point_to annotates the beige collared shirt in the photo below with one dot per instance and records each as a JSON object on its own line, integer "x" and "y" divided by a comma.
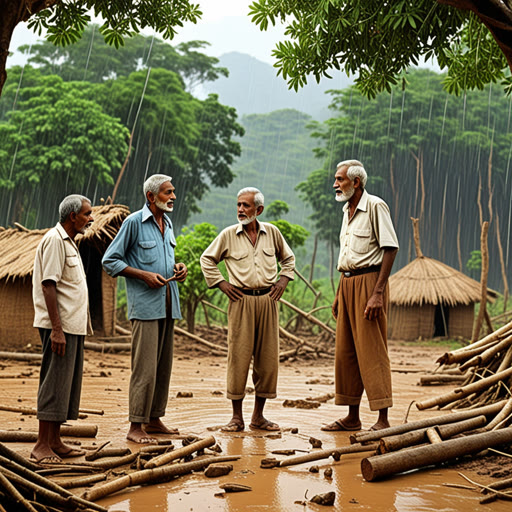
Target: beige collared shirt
{"x": 248, "y": 266}
{"x": 364, "y": 236}
{"x": 57, "y": 259}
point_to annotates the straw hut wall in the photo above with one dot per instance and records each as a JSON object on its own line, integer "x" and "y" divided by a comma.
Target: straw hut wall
{"x": 428, "y": 298}
{"x": 17, "y": 252}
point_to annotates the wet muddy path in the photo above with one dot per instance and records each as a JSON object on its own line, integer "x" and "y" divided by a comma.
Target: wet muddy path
{"x": 280, "y": 489}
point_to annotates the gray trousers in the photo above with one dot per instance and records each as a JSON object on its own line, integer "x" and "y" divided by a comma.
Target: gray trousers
{"x": 152, "y": 351}
{"x": 60, "y": 379}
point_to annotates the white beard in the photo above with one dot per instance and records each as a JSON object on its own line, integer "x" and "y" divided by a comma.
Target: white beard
{"x": 248, "y": 220}
{"x": 345, "y": 196}
{"x": 163, "y": 206}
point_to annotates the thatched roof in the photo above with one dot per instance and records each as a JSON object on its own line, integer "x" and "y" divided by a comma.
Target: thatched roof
{"x": 428, "y": 281}
{"x": 18, "y": 245}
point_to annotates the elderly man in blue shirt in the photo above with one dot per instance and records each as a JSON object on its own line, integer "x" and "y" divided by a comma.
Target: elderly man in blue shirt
{"x": 143, "y": 252}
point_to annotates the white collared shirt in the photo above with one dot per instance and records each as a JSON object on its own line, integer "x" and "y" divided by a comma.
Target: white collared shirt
{"x": 364, "y": 236}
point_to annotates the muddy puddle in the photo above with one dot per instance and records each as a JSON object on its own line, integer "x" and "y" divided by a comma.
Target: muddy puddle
{"x": 278, "y": 489}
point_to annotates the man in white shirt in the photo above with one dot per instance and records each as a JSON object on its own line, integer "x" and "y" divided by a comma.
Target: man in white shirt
{"x": 368, "y": 246}
{"x": 61, "y": 304}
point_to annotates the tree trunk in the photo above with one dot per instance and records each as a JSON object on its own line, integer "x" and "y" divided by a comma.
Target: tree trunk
{"x": 313, "y": 259}
{"x": 483, "y": 281}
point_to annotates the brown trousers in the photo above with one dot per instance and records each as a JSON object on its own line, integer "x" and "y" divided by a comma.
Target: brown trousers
{"x": 361, "y": 360}
{"x": 253, "y": 333}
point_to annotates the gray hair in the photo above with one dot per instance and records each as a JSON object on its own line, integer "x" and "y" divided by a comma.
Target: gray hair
{"x": 69, "y": 204}
{"x": 153, "y": 183}
{"x": 355, "y": 169}
{"x": 259, "y": 199}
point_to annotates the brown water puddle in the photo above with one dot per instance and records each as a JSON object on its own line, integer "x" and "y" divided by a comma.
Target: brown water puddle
{"x": 272, "y": 489}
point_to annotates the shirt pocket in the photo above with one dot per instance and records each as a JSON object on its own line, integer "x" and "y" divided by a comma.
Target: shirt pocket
{"x": 148, "y": 252}
{"x": 71, "y": 272}
{"x": 269, "y": 262}
{"x": 361, "y": 240}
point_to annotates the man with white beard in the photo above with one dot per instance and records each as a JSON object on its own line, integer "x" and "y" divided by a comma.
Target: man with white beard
{"x": 143, "y": 252}
{"x": 251, "y": 250}
{"x": 368, "y": 246}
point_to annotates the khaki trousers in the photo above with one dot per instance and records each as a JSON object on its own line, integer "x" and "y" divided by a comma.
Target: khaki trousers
{"x": 152, "y": 351}
{"x": 361, "y": 360}
{"x": 253, "y": 333}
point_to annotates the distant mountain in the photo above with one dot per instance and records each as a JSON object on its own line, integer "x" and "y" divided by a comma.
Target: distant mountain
{"x": 253, "y": 88}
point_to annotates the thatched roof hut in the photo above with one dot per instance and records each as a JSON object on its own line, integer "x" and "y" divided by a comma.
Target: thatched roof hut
{"x": 17, "y": 252}
{"x": 428, "y": 298}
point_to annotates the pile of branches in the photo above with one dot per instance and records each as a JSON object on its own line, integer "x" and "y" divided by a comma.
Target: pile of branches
{"x": 25, "y": 485}
{"x": 486, "y": 366}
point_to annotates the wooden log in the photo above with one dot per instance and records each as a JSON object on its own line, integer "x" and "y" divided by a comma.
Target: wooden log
{"x": 112, "y": 462}
{"x": 159, "y": 474}
{"x": 439, "y": 379}
{"x": 397, "y": 442}
{"x": 214, "y": 346}
{"x": 84, "y": 481}
{"x": 380, "y": 466}
{"x": 29, "y": 410}
{"x": 122, "y": 330}
{"x": 108, "y": 452}
{"x": 464, "y": 391}
{"x": 483, "y": 358}
{"x": 37, "y": 482}
{"x": 15, "y": 495}
{"x": 20, "y": 356}
{"x": 325, "y": 454}
{"x": 107, "y": 347}
{"x": 180, "y": 452}
{"x": 433, "y": 435}
{"x": 309, "y": 317}
{"x": 501, "y": 416}
{"x": 373, "y": 435}
{"x": 490, "y": 338}
{"x": 16, "y": 457}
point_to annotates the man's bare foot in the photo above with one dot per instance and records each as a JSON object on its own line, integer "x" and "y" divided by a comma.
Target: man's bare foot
{"x": 65, "y": 451}
{"x": 233, "y": 426}
{"x": 44, "y": 454}
{"x": 138, "y": 435}
{"x": 155, "y": 426}
{"x": 342, "y": 425}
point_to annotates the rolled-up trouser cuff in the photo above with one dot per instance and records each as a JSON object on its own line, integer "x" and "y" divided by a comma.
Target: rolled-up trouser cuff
{"x": 346, "y": 400}
{"x": 382, "y": 403}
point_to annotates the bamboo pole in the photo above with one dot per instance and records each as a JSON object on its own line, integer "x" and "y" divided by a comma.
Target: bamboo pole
{"x": 464, "y": 391}
{"x": 380, "y": 466}
{"x": 194, "y": 337}
{"x": 84, "y": 481}
{"x": 439, "y": 379}
{"x": 165, "y": 458}
{"x": 501, "y": 416}
{"x": 493, "y": 336}
{"x": 160, "y": 474}
{"x": 397, "y": 442}
{"x": 483, "y": 358}
{"x": 20, "y": 356}
{"x": 325, "y": 454}
{"x": 16, "y": 457}
{"x": 373, "y": 435}
{"x": 108, "y": 452}
{"x": 307, "y": 316}
{"x": 483, "y": 281}
{"x": 16, "y": 496}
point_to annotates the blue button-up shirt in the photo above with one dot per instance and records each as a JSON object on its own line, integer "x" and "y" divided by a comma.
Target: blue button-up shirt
{"x": 140, "y": 244}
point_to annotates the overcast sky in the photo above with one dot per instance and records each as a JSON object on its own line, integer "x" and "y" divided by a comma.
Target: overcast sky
{"x": 224, "y": 24}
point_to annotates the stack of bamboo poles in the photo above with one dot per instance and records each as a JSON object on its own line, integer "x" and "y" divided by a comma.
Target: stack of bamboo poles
{"x": 487, "y": 369}
{"x": 416, "y": 444}
{"x": 25, "y": 485}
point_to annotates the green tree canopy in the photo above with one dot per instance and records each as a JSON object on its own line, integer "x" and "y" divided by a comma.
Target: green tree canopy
{"x": 64, "y": 22}
{"x": 55, "y": 142}
{"x": 93, "y": 60}
{"x": 379, "y": 40}
{"x": 442, "y": 159}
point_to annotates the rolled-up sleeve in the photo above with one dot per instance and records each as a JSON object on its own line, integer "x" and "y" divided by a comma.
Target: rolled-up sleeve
{"x": 114, "y": 259}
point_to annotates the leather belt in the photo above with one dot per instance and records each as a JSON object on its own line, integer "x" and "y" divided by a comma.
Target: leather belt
{"x": 359, "y": 271}
{"x": 256, "y": 293}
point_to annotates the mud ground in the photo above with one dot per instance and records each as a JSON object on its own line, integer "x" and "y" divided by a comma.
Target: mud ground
{"x": 105, "y": 387}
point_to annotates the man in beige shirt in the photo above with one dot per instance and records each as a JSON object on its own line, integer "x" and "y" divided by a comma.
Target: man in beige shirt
{"x": 368, "y": 246}
{"x": 250, "y": 251}
{"x": 61, "y": 305}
